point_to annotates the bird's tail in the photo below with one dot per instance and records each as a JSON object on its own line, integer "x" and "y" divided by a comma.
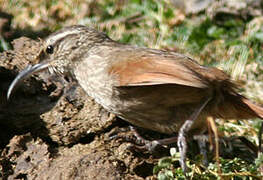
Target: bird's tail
{"x": 236, "y": 106}
{"x": 231, "y": 104}
{"x": 255, "y": 109}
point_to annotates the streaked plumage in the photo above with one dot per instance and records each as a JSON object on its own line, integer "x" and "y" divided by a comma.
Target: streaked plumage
{"x": 150, "y": 88}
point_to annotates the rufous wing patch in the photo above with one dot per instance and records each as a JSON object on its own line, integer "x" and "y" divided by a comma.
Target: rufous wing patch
{"x": 153, "y": 72}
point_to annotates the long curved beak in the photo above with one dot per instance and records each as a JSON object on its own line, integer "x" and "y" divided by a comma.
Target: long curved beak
{"x": 29, "y": 70}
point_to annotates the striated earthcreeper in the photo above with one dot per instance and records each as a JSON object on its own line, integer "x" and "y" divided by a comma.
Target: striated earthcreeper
{"x": 158, "y": 90}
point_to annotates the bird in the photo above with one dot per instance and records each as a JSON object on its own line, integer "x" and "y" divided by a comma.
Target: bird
{"x": 159, "y": 90}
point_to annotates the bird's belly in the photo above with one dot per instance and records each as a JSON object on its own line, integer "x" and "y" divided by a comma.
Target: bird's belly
{"x": 158, "y": 118}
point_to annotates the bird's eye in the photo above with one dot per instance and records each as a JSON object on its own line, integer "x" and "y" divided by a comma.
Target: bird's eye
{"x": 50, "y": 49}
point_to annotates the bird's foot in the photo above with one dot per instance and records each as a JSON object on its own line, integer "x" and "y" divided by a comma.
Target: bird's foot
{"x": 142, "y": 144}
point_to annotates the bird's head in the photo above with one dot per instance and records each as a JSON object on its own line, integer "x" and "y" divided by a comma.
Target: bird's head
{"x": 61, "y": 51}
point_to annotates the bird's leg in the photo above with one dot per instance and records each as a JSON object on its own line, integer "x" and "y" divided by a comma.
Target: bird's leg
{"x": 181, "y": 139}
{"x": 150, "y": 146}
{"x": 181, "y": 143}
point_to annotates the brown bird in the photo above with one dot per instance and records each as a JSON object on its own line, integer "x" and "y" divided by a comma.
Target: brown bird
{"x": 158, "y": 90}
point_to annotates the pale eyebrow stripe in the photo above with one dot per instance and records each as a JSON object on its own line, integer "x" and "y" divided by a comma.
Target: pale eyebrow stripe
{"x": 56, "y": 37}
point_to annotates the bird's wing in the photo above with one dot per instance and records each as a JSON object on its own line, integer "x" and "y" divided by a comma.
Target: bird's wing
{"x": 157, "y": 70}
